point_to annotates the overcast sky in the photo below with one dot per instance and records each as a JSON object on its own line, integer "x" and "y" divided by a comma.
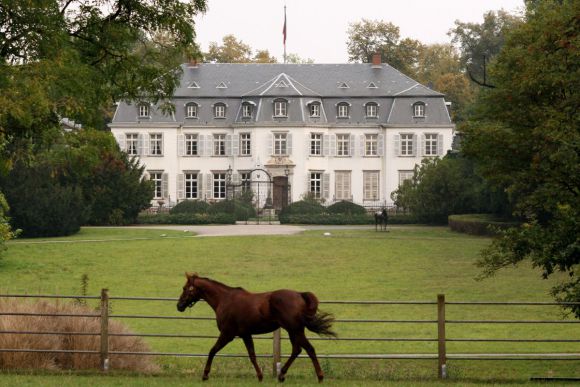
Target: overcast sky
{"x": 317, "y": 28}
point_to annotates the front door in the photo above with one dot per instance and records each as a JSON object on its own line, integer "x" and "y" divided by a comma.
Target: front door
{"x": 280, "y": 192}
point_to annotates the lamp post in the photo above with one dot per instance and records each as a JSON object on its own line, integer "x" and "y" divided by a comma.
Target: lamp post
{"x": 287, "y": 174}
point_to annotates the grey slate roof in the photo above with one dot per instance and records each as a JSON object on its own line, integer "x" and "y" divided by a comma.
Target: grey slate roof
{"x": 299, "y": 84}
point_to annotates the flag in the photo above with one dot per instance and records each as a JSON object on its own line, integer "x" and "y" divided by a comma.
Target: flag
{"x": 284, "y": 29}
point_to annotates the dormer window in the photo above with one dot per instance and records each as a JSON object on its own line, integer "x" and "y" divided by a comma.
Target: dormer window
{"x": 314, "y": 110}
{"x": 343, "y": 110}
{"x": 372, "y": 110}
{"x": 143, "y": 110}
{"x": 219, "y": 110}
{"x": 419, "y": 109}
{"x": 280, "y": 108}
{"x": 191, "y": 110}
{"x": 247, "y": 110}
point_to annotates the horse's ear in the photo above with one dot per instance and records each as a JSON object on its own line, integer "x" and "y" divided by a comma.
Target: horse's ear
{"x": 190, "y": 275}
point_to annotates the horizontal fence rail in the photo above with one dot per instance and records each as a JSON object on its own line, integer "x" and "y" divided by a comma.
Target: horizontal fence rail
{"x": 439, "y": 321}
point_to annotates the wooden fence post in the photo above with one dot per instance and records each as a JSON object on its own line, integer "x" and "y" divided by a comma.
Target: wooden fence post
{"x": 276, "y": 352}
{"x": 442, "y": 371}
{"x": 104, "y": 330}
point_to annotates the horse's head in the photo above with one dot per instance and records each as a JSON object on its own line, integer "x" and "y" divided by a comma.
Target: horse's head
{"x": 190, "y": 294}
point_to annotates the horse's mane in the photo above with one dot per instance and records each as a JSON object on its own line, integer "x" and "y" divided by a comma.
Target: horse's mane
{"x": 221, "y": 284}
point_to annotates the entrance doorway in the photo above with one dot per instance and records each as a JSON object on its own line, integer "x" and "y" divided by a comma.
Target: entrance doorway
{"x": 280, "y": 192}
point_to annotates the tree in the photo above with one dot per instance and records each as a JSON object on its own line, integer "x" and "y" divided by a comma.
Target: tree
{"x": 296, "y": 59}
{"x": 525, "y": 136}
{"x": 6, "y": 232}
{"x": 233, "y": 50}
{"x": 443, "y": 187}
{"x": 263, "y": 56}
{"x": 480, "y": 43}
{"x": 369, "y": 37}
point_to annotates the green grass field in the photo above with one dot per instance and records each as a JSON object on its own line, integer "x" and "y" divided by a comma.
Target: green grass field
{"x": 408, "y": 263}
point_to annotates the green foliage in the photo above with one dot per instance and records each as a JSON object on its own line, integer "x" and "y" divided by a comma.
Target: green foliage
{"x": 301, "y": 207}
{"x": 525, "y": 136}
{"x": 479, "y": 224}
{"x": 190, "y": 207}
{"x": 442, "y": 187}
{"x": 346, "y": 207}
{"x": 233, "y": 50}
{"x": 5, "y": 229}
{"x": 326, "y": 218}
{"x": 186, "y": 218}
{"x": 242, "y": 210}
{"x": 40, "y": 205}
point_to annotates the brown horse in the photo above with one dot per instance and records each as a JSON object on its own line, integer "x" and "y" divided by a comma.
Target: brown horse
{"x": 243, "y": 314}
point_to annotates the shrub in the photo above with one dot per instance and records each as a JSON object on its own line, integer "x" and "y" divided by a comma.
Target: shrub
{"x": 479, "y": 224}
{"x": 55, "y": 361}
{"x": 191, "y": 207}
{"x": 243, "y": 210}
{"x": 302, "y": 207}
{"x": 326, "y": 218}
{"x": 192, "y": 219}
{"x": 345, "y": 207}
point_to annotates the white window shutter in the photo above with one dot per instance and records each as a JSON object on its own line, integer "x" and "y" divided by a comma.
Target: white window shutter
{"x": 381, "y": 145}
{"x": 351, "y": 146}
{"x": 332, "y": 151}
{"x": 416, "y": 144}
{"x": 270, "y": 144}
{"x": 146, "y": 176}
{"x": 228, "y": 144}
{"x": 209, "y": 139}
{"x": 326, "y": 185}
{"x": 361, "y": 145}
{"x": 201, "y": 145}
{"x": 146, "y": 142}
{"x": 141, "y": 145}
{"x": 307, "y": 182}
{"x": 121, "y": 141}
{"x": 326, "y": 145}
{"x": 235, "y": 145}
{"x": 180, "y": 144}
{"x": 236, "y": 178}
{"x": 165, "y": 185}
{"x": 200, "y": 186}
{"x": 439, "y": 145}
{"x": 209, "y": 186}
{"x": 289, "y": 144}
{"x": 180, "y": 186}
{"x": 423, "y": 145}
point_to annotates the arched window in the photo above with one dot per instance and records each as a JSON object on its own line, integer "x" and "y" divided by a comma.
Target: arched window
{"x": 143, "y": 110}
{"x": 343, "y": 109}
{"x": 191, "y": 110}
{"x": 372, "y": 110}
{"x": 247, "y": 109}
{"x": 419, "y": 109}
{"x": 280, "y": 108}
{"x": 314, "y": 108}
{"x": 219, "y": 110}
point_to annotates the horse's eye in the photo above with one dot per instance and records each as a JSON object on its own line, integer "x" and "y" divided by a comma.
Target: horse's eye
{"x": 191, "y": 288}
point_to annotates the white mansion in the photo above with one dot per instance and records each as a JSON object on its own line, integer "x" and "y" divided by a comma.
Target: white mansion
{"x": 336, "y": 131}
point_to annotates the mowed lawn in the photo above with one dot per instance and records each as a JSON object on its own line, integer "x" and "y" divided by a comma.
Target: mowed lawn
{"x": 406, "y": 264}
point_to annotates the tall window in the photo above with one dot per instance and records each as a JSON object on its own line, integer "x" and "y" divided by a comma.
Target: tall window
{"x": 132, "y": 143}
{"x": 280, "y": 143}
{"x": 372, "y": 110}
{"x": 191, "y": 110}
{"x": 315, "y": 144}
{"x": 406, "y": 144}
{"x": 342, "y": 185}
{"x": 246, "y": 178}
{"x": 219, "y": 110}
{"x": 245, "y": 144}
{"x": 371, "y": 185}
{"x": 314, "y": 110}
{"x": 143, "y": 110}
{"x": 157, "y": 179}
{"x": 191, "y": 145}
{"x": 191, "y": 187}
{"x": 405, "y": 175}
{"x": 247, "y": 110}
{"x": 342, "y": 110}
{"x": 219, "y": 144}
{"x": 280, "y": 108}
{"x": 342, "y": 144}
{"x": 219, "y": 185}
{"x": 419, "y": 109}
{"x": 315, "y": 188}
{"x": 371, "y": 143}
{"x": 156, "y": 144}
{"x": 430, "y": 145}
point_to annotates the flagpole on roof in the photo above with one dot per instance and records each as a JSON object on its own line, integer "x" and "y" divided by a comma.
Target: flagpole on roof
{"x": 284, "y": 33}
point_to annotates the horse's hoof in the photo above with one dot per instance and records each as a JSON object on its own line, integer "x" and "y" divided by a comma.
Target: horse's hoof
{"x": 281, "y": 378}
{"x": 204, "y": 378}
{"x": 320, "y": 378}
{"x": 260, "y": 377}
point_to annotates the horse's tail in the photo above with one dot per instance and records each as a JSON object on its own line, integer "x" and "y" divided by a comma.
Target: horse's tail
{"x": 315, "y": 320}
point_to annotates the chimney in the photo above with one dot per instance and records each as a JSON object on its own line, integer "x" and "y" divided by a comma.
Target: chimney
{"x": 376, "y": 61}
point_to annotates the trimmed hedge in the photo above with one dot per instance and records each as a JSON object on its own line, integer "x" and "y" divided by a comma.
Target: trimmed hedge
{"x": 243, "y": 210}
{"x": 339, "y": 219}
{"x": 186, "y": 219}
{"x": 302, "y": 207}
{"x": 479, "y": 224}
{"x": 190, "y": 207}
{"x": 344, "y": 207}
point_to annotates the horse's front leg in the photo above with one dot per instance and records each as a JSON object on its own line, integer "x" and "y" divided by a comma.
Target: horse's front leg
{"x": 250, "y": 347}
{"x": 221, "y": 342}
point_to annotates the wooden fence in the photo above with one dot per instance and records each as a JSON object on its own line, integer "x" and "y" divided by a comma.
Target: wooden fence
{"x": 439, "y": 319}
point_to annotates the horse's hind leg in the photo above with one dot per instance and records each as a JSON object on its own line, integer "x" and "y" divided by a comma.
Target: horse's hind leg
{"x": 304, "y": 343}
{"x": 221, "y": 342}
{"x": 250, "y": 347}
{"x": 295, "y": 352}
